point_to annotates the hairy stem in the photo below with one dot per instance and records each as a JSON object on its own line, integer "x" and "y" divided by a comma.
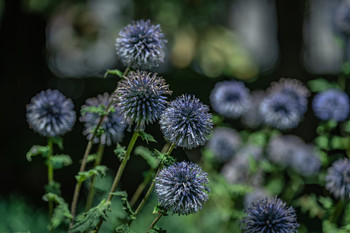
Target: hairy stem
{"x": 160, "y": 214}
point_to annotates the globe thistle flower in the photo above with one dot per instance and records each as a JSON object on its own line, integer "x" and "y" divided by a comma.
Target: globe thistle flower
{"x": 256, "y": 195}
{"x": 230, "y": 98}
{"x": 331, "y": 105}
{"x": 269, "y": 215}
{"x": 224, "y": 143}
{"x": 50, "y": 113}
{"x": 280, "y": 111}
{"x": 186, "y": 122}
{"x": 338, "y": 179}
{"x": 342, "y": 17}
{"x": 252, "y": 116}
{"x": 280, "y": 149}
{"x": 141, "y": 45}
{"x": 113, "y": 124}
{"x": 294, "y": 89}
{"x": 305, "y": 160}
{"x": 182, "y": 188}
{"x": 141, "y": 97}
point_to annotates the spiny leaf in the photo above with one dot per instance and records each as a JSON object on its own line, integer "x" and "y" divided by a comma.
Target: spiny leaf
{"x": 124, "y": 229}
{"x": 146, "y": 137}
{"x": 115, "y": 72}
{"x": 37, "y": 150}
{"x": 61, "y": 213}
{"x": 164, "y": 158}
{"x": 58, "y": 141}
{"x": 59, "y": 161}
{"x": 120, "y": 152}
{"x": 126, "y": 205}
{"x": 96, "y": 171}
{"x": 90, "y": 219}
{"x": 148, "y": 156}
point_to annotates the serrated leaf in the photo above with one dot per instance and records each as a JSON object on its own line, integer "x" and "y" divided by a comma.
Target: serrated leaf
{"x": 61, "y": 213}
{"x": 146, "y": 137}
{"x": 53, "y": 187}
{"x": 124, "y": 229}
{"x": 37, "y": 150}
{"x": 114, "y": 72}
{"x": 90, "y": 219}
{"x": 126, "y": 205}
{"x": 318, "y": 85}
{"x": 120, "y": 152}
{"x": 96, "y": 171}
{"x": 164, "y": 158}
{"x": 58, "y": 141}
{"x": 59, "y": 161}
{"x": 147, "y": 155}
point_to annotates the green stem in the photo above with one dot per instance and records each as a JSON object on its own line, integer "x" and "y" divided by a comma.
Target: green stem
{"x": 160, "y": 214}
{"x": 50, "y": 177}
{"x": 337, "y": 211}
{"x": 91, "y": 194}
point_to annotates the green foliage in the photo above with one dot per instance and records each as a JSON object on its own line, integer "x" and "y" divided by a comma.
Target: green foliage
{"x": 258, "y": 138}
{"x": 61, "y": 213}
{"x": 89, "y": 220}
{"x": 146, "y": 137}
{"x": 156, "y": 229}
{"x": 322, "y": 142}
{"x": 309, "y": 204}
{"x": 53, "y": 187}
{"x": 114, "y": 72}
{"x": 59, "y": 161}
{"x": 58, "y": 141}
{"x": 147, "y": 155}
{"x": 160, "y": 209}
{"x": 318, "y": 85}
{"x": 164, "y": 158}
{"x": 126, "y": 205}
{"x": 96, "y": 171}
{"x": 100, "y": 110}
{"x": 91, "y": 158}
{"x": 123, "y": 229}
{"x": 120, "y": 152}
{"x": 37, "y": 150}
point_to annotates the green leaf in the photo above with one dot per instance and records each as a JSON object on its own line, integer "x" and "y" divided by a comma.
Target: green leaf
{"x": 346, "y": 126}
{"x": 58, "y": 141}
{"x": 146, "y": 137}
{"x": 217, "y": 120}
{"x": 54, "y": 187}
{"x": 91, "y": 158}
{"x": 37, "y": 150}
{"x": 124, "y": 229}
{"x": 257, "y": 138}
{"x": 114, "y": 72}
{"x": 318, "y": 85}
{"x": 59, "y": 161}
{"x": 147, "y": 155}
{"x": 100, "y": 110}
{"x": 61, "y": 213}
{"x": 326, "y": 202}
{"x": 309, "y": 204}
{"x": 120, "y": 152}
{"x": 156, "y": 229}
{"x": 96, "y": 171}
{"x": 338, "y": 143}
{"x": 322, "y": 142}
{"x": 346, "y": 68}
{"x": 160, "y": 209}
{"x": 164, "y": 158}
{"x": 329, "y": 227}
{"x": 90, "y": 219}
{"x": 126, "y": 205}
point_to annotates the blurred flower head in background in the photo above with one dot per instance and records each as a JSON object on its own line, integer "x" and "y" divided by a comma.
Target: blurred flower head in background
{"x": 113, "y": 125}
{"x": 50, "y": 113}
{"x": 342, "y": 17}
{"x": 338, "y": 179}
{"x": 256, "y": 195}
{"x": 252, "y": 116}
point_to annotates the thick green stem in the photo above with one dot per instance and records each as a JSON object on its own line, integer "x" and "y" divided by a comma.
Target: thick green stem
{"x": 50, "y": 175}
{"x": 160, "y": 214}
{"x": 91, "y": 194}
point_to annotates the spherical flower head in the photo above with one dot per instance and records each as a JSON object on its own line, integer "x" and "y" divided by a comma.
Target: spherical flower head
{"x": 113, "y": 124}
{"x": 230, "y": 98}
{"x": 141, "y": 45}
{"x": 269, "y": 215}
{"x": 280, "y": 111}
{"x": 342, "y": 18}
{"x": 305, "y": 160}
{"x": 186, "y": 122}
{"x": 141, "y": 97}
{"x": 338, "y": 179}
{"x": 224, "y": 143}
{"x": 50, "y": 113}
{"x": 182, "y": 188}
{"x": 252, "y": 116}
{"x": 331, "y": 105}
{"x": 294, "y": 89}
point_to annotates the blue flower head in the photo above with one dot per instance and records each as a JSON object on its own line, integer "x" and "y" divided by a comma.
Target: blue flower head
{"x": 280, "y": 111}
{"x": 342, "y": 18}
{"x": 141, "y": 97}
{"x": 50, "y": 113}
{"x": 230, "y": 98}
{"x": 305, "y": 160}
{"x": 186, "y": 122}
{"x": 113, "y": 124}
{"x": 182, "y": 188}
{"x": 252, "y": 116}
{"x": 224, "y": 143}
{"x": 338, "y": 179}
{"x": 269, "y": 215}
{"x": 141, "y": 45}
{"x": 331, "y": 105}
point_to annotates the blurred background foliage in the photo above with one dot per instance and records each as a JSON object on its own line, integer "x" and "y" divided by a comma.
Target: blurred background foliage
{"x": 68, "y": 45}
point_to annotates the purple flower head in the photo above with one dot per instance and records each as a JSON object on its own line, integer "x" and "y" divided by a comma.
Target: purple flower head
{"x": 269, "y": 215}
{"x": 252, "y": 116}
{"x": 141, "y": 97}
{"x": 230, "y": 98}
{"x": 186, "y": 122}
{"x": 338, "y": 179}
{"x": 305, "y": 160}
{"x": 182, "y": 188}
{"x": 141, "y": 45}
{"x": 113, "y": 124}
{"x": 331, "y": 105}
{"x": 50, "y": 113}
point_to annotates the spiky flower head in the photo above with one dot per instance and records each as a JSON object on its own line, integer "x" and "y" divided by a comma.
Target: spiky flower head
{"x": 252, "y": 116}
{"x": 182, "y": 188}
{"x": 342, "y": 17}
{"x": 141, "y": 97}
{"x": 141, "y": 45}
{"x": 50, "y": 113}
{"x": 224, "y": 143}
{"x": 280, "y": 111}
{"x": 113, "y": 124}
{"x": 331, "y": 105}
{"x": 338, "y": 179}
{"x": 186, "y": 122}
{"x": 294, "y": 89}
{"x": 269, "y": 215}
{"x": 230, "y": 98}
